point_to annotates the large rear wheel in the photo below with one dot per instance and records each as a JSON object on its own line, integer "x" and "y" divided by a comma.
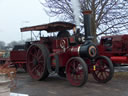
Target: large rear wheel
{"x": 77, "y": 71}
{"x": 37, "y": 61}
{"x": 104, "y": 69}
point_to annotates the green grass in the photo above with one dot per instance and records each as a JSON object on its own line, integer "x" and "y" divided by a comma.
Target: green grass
{"x": 121, "y": 75}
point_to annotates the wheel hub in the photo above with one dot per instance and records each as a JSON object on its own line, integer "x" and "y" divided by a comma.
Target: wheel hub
{"x": 74, "y": 72}
{"x": 35, "y": 61}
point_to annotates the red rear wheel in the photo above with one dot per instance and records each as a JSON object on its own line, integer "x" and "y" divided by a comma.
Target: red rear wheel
{"x": 77, "y": 71}
{"x": 36, "y": 61}
{"x": 104, "y": 69}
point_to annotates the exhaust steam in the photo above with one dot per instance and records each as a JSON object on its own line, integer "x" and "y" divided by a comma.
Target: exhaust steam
{"x": 76, "y": 11}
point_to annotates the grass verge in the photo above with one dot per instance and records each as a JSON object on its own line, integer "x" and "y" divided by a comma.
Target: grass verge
{"x": 121, "y": 75}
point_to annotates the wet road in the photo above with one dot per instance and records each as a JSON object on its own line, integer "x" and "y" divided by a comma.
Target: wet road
{"x": 121, "y": 69}
{"x": 56, "y": 86}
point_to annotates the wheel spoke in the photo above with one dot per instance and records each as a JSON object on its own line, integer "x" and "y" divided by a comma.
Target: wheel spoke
{"x": 107, "y": 72}
{"x": 41, "y": 62}
{"x": 31, "y": 54}
{"x": 97, "y": 73}
{"x": 38, "y": 73}
{"x": 106, "y": 68}
{"x": 74, "y": 64}
{"x": 35, "y": 68}
{"x": 80, "y": 71}
{"x": 101, "y": 76}
{"x": 40, "y": 69}
{"x": 35, "y": 50}
{"x": 74, "y": 77}
{"x": 78, "y": 79}
{"x": 38, "y": 53}
{"x": 30, "y": 62}
{"x": 105, "y": 75}
{"x": 81, "y": 76}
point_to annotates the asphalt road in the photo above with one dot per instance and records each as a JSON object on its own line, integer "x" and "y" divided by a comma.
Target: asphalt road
{"x": 56, "y": 86}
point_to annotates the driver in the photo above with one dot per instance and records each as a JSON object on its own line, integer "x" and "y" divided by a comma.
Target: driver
{"x": 63, "y": 33}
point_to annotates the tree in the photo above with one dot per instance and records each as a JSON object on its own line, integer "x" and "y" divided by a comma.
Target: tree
{"x": 12, "y": 44}
{"x": 2, "y": 45}
{"x": 108, "y": 16}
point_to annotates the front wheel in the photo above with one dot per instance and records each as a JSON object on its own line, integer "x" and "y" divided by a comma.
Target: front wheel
{"x": 77, "y": 71}
{"x": 104, "y": 69}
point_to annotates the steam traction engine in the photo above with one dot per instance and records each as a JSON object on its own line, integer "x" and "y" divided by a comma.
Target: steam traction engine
{"x": 18, "y": 56}
{"x": 15, "y": 58}
{"x": 71, "y": 56}
{"x": 115, "y": 47}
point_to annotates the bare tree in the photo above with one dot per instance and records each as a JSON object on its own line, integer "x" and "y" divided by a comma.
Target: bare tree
{"x": 13, "y": 43}
{"x": 2, "y": 45}
{"x": 108, "y": 17}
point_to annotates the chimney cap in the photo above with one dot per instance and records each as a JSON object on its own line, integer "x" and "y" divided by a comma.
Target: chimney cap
{"x": 87, "y": 12}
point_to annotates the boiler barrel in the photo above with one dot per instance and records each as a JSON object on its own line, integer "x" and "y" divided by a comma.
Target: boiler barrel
{"x": 87, "y": 50}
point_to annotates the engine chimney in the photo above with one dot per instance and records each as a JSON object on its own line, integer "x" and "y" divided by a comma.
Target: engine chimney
{"x": 87, "y": 25}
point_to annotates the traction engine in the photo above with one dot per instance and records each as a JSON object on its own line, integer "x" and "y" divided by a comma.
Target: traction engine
{"x": 18, "y": 57}
{"x": 115, "y": 47}
{"x": 71, "y": 56}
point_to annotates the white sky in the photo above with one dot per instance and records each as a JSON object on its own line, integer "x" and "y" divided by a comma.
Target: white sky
{"x": 15, "y": 14}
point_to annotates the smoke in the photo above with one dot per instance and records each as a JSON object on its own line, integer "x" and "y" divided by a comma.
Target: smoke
{"x": 76, "y": 10}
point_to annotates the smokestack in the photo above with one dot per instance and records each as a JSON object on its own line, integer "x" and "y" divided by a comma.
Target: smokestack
{"x": 87, "y": 25}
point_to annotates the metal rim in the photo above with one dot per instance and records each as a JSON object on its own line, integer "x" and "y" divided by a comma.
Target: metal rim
{"x": 35, "y": 62}
{"x": 76, "y": 71}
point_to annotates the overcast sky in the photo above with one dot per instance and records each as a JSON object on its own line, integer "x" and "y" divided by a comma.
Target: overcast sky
{"x": 15, "y": 14}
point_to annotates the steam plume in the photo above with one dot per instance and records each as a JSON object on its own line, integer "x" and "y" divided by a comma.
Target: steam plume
{"x": 76, "y": 10}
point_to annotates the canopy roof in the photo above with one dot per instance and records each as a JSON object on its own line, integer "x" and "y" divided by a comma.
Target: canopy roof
{"x": 51, "y": 27}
